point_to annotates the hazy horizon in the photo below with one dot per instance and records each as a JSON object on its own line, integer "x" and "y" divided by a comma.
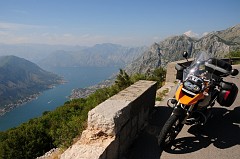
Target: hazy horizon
{"x": 128, "y": 23}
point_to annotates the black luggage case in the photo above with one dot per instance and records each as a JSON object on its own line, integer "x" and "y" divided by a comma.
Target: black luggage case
{"x": 228, "y": 94}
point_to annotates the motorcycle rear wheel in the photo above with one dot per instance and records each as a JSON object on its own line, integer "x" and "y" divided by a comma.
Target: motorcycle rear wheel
{"x": 170, "y": 130}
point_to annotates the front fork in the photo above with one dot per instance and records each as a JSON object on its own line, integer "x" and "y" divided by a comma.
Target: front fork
{"x": 188, "y": 113}
{"x": 181, "y": 110}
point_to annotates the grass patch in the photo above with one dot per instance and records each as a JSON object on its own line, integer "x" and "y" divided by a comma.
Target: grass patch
{"x": 161, "y": 95}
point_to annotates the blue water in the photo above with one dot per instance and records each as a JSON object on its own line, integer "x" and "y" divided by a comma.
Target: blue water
{"x": 77, "y": 77}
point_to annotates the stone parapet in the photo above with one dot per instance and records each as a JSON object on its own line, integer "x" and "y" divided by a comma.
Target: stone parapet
{"x": 172, "y": 72}
{"x": 114, "y": 124}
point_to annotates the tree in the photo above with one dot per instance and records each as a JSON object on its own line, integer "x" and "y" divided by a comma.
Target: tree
{"x": 58, "y": 128}
{"x": 123, "y": 80}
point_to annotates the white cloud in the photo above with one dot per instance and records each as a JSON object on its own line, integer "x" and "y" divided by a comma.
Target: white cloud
{"x": 9, "y": 38}
{"x": 17, "y": 26}
{"x": 206, "y": 33}
{"x": 12, "y": 33}
{"x": 70, "y": 39}
{"x": 67, "y": 35}
{"x": 191, "y": 34}
{"x": 4, "y": 33}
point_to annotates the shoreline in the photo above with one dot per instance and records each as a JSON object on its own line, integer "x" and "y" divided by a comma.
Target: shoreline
{"x": 85, "y": 92}
{"x": 75, "y": 94}
{"x": 9, "y": 107}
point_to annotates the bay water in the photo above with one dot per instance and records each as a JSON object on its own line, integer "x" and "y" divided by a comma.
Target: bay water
{"x": 76, "y": 77}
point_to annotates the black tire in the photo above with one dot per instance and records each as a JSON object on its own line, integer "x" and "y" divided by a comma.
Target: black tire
{"x": 170, "y": 130}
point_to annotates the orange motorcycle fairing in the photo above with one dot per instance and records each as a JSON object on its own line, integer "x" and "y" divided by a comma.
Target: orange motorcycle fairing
{"x": 185, "y": 99}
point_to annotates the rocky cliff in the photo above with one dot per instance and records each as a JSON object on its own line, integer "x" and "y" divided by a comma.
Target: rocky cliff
{"x": 149, "y": 60}
{"x": 218, "y": 44}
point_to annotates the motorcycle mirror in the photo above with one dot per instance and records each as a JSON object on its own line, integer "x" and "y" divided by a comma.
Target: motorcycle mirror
{"x": 185, "y": 54}
{"x": 234, "y": 72}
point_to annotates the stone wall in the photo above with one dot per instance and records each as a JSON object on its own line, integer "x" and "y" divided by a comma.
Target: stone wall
{"x": 114, "y": 124}
{"x": 172, "y": 72}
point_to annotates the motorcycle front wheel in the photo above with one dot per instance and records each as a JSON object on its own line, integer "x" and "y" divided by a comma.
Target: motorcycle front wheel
{"x": 170, "y": 130}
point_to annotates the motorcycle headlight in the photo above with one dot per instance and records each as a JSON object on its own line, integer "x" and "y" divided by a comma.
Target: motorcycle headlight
{"x": 191, "y": 87}
{"x": 195, "y": 88}
{"x": 187, "y": 85}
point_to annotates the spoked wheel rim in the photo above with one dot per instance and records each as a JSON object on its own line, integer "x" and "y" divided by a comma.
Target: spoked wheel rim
{"x": 172, "y": 134}
{"x": 170, "y": 130}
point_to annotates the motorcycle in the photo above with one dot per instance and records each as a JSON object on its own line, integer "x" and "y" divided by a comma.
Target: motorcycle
{"x": 200, "y": 85}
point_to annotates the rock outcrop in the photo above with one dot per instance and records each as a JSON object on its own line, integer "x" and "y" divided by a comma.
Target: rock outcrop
{"x": 149, "y": 60}
{"x": 217, "y": 44}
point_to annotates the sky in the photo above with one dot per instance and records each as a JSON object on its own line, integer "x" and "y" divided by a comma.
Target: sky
{"x": 125, "y": 22}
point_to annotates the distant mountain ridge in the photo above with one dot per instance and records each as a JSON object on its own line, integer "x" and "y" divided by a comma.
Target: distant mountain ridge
{"x": 34, "y": 52}
{"x": 99, "y": 55}
{"x": 218, "y": 44}
{"x": 21, "y": 79}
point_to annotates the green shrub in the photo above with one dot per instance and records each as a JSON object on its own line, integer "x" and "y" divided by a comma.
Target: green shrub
{"x": 58, "y": 128}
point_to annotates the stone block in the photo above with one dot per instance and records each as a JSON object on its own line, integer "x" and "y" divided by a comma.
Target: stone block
{"x": 114, "y": 124}
{"x": 113, "y": 150}
{"x": 109, "y": 116}
{"x": 134, "y": 127}
{"x": 112, "y": 114}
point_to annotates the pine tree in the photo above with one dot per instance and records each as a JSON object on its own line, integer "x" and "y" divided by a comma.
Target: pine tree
{"x": 123, "y": 80}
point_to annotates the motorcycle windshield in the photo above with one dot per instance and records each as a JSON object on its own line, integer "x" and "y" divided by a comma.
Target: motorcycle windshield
{"x": 197, "y": 67}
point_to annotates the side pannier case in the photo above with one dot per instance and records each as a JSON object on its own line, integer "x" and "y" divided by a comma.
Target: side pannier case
{"x": 218, "y": 67}
{"x": 228, "y": 94}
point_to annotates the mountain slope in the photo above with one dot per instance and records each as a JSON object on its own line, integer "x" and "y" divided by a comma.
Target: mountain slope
{"x": 20, "y": 78}
{"x": 99, "y": 55}
{"x": 218, "y": 44}
{"x": 34, "y": 52}
{"x": 150, "y": 59}
{"x": 231, "y": 34}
